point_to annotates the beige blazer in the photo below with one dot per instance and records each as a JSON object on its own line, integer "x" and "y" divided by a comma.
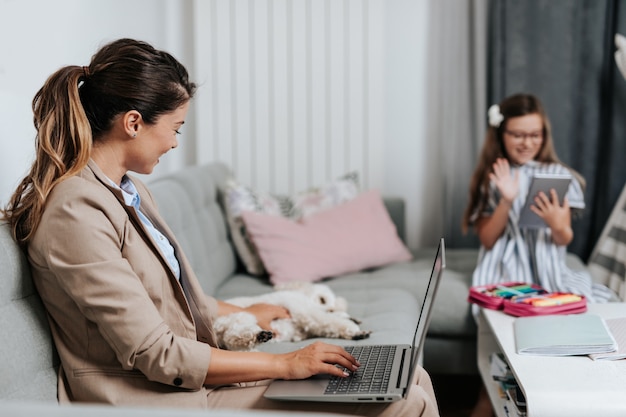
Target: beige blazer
{"x": 126, "y": 331}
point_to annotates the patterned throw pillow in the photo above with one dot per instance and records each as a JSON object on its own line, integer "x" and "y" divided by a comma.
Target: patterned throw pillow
{"x": 353, "y": 236}
{"x": 239, "y": 198}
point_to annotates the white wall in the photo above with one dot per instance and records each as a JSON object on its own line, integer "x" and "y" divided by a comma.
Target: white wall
{"x": 409, "y": 159}
{"x": 292, "y": 90}
{"x": 39, "y": 36}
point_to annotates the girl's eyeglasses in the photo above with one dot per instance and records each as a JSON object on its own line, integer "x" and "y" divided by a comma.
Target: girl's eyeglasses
{"x": 518, "y": 136}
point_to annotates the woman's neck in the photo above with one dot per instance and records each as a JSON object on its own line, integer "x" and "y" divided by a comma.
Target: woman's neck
{"x": 109, "y": 161}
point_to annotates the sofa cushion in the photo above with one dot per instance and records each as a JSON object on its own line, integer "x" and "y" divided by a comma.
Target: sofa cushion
{"x": 189, "y": 201}
{"x": 28, "y": 358}
{"x": 452, "y": 315}
{"x": 27, "y": 409}
{"x": 350, "y": 237}
{"x": 239, "y": 197}
{"x": 390, "y": 314}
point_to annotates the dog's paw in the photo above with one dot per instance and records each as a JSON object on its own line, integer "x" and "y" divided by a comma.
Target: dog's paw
{"x": 357, "y": 321}
{"x": 364, "y": 334}
{"x": 264, "y": 336}
{"x": 239, "y": 332}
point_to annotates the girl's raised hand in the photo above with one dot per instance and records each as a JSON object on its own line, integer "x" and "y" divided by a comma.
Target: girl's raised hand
{"x": 507, "y": 184}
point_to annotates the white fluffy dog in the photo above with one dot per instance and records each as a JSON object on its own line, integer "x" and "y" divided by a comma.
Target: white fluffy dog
{"x": 315, "y": 311}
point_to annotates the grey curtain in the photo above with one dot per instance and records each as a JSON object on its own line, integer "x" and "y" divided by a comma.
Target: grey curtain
{"x": 457, "y": 109}
{"x": 562, "y": 51}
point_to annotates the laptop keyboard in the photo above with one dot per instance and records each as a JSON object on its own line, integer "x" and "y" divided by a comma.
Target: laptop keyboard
{"x": 371, "y": 377}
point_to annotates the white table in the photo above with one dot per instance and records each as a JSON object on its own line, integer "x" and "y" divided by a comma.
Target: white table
{"x": 554, "y": 386}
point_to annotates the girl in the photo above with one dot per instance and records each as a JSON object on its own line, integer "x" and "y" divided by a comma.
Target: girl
{"x": 518, "y": 145}
{"x": 128, "y": 316}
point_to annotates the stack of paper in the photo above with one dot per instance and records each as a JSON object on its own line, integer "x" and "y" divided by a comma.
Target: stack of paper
{"x": 563, "y": 335}
{"x": 617, "y": 327}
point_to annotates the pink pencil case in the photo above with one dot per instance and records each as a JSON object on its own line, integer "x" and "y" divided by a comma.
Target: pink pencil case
{"x": 521, "y": 299}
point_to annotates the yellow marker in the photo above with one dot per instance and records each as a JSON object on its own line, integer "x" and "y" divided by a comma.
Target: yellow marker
{"x": 557, "y": 300}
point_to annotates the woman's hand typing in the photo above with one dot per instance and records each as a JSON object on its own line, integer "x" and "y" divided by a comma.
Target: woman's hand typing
{"x": 318, "y": 358}
{"x": 228, "y": 367}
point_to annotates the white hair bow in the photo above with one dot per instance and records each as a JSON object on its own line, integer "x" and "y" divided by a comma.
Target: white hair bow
{"x": 495, "y": 117}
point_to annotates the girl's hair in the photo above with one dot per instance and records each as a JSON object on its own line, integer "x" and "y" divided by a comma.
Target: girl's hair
{"x": 77, "y": 105}
{"x": 493, "y": 148}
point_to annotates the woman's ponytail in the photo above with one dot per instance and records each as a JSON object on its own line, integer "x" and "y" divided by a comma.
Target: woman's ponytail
{"x": 63, "y": 147}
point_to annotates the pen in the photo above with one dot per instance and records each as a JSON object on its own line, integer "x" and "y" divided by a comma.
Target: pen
{"x": 526, "y": 298}
{"x": 502, "y": 289}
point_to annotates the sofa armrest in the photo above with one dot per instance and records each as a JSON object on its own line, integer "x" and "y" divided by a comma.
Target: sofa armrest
{"x": 395, "y": 207}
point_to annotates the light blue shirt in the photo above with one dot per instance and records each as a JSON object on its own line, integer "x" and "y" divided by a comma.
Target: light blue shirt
{"x": 132, "y": 199}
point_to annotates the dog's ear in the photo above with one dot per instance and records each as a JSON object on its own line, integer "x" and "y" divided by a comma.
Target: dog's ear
{"x": 323, "y": 295}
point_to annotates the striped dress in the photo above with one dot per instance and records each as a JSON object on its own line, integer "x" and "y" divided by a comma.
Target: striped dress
{"x": 530, "y": 255}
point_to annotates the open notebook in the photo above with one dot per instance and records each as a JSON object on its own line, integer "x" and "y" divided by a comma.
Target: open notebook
{"x": 385, "y": 383}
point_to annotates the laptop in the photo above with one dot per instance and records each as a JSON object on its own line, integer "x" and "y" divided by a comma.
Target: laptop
{"x": 391, "y": 383}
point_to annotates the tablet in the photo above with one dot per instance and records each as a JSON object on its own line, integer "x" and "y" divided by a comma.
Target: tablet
{"x": 542, "y": 182}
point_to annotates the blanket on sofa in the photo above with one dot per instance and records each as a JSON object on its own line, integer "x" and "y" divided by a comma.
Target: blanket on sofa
{"x": 607, "y": 263}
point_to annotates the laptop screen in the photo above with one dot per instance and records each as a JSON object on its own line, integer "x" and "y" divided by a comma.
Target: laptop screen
{"x": 425, "y": 312}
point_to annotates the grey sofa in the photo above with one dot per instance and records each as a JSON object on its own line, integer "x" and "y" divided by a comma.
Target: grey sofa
{"x": 385, "y": 299}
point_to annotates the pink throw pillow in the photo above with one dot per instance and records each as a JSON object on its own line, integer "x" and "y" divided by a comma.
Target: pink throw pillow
{"x": 350, "y": 237}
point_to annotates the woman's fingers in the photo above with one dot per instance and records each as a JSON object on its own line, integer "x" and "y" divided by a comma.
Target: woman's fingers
{"x": 319, "y": 358}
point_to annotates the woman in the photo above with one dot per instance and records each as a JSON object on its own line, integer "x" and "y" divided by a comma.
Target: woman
{"x": 128, "y": 317}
